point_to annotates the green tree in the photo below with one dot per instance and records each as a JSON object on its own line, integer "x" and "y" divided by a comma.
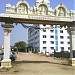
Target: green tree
{"x": 21, "y": 45}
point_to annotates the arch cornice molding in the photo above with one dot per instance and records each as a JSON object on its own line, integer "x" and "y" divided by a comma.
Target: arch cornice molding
{"x": 42, "y": 4}
{"x": 61, "y": 5}
{"x": 25, "y": 2}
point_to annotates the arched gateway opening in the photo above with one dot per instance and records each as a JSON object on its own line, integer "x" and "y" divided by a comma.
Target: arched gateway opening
{"x": 41, "y": 13}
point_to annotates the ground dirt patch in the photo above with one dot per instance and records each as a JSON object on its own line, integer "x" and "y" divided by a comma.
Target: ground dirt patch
{"x": 37, "y": 64}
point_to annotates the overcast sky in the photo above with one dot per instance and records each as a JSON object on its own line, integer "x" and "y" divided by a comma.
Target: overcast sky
{"x": 19, "y": 33}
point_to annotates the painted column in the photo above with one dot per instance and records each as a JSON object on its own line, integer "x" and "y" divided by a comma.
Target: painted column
{"x": 72, "y": 44}
{"x": 6, "y": 62}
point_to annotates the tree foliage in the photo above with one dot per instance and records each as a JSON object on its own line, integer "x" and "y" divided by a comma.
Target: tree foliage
{"x": 21, "y": 45}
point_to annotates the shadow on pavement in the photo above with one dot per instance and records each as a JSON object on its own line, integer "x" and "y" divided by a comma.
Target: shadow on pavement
{"x": 38, "y": 62}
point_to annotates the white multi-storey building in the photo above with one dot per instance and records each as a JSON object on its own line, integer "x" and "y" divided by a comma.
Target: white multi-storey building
{"x": 49, "y": 39}
{"x": 53, "y": 37}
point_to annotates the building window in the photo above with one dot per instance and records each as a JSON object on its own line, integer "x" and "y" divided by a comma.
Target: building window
{"x": 44, "y": 25}
{"x": 44, "y": 36}
{"x": 68, "y": 37}
{"x": 44, "y": 30}
{"x": 44, "y": 42}
{"x": 68, "y": 42}
{"x": 51, "y": 36}
{"x": 44, "y": 47}
{"x": 62, "y": 48}
{"x": 52, "y": 48}
{"x": 62, "y": 42}
{"x": 52, "y": 42}
{"x": 61, "y": 31}
{"x": 68, "y": 48}
{"x": 51, "y": 31}
{"x": 61, "y": 37}
{"x": 36, "y": 32}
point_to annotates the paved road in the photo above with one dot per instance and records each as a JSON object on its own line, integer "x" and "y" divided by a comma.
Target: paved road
{"x": 37, "y": 64}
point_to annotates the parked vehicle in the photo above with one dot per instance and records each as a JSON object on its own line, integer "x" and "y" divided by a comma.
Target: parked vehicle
{"x": 12, "y": 56}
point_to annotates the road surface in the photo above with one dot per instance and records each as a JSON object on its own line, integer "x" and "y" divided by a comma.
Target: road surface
{"x": 37, "y": 64}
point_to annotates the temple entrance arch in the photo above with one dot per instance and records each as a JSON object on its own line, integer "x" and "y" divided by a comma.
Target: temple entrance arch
{"x": 22, "y": 13}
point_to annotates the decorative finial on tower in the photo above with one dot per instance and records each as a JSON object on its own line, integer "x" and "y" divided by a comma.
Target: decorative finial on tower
{"x": 42, "y": 1}
{"x": 22, "y": 0}
{"x": 61, "y": 4}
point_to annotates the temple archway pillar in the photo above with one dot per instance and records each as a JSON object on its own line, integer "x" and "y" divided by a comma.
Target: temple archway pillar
{"x": 6, "y": 62}
{"x": 71, "y": 31}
